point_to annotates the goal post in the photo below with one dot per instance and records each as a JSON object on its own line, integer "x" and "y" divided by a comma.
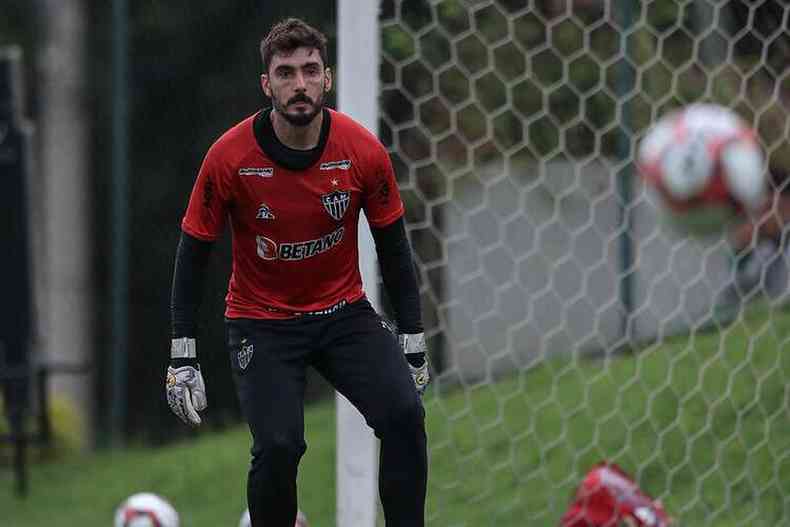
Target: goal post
{"x": 357, "y": 78}
{"x": 566, "y": 323}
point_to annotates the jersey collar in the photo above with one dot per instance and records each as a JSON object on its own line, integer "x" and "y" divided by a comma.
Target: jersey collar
{"x": 279, "y": 153}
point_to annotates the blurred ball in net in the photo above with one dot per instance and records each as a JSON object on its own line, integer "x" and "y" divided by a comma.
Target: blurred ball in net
{"x": 703, "y": 167}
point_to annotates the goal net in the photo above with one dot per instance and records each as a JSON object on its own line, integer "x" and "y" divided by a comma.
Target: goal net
{"x": 568, "y": 326}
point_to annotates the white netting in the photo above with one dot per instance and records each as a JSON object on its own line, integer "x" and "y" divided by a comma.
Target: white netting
{"x": 551, "y": 292}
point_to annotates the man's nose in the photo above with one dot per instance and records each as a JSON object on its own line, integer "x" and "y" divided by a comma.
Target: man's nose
{"x": 300, "y": 83}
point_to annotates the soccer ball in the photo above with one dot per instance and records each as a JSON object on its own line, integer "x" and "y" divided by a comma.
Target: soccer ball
{"x": 704, "y": 168}
{"x": 301, "y": 519}
{"x": 146, "y": 510}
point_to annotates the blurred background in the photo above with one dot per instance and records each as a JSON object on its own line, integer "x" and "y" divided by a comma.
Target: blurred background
{"x": 566, "y": 323}
{"x": 192, "y": 72}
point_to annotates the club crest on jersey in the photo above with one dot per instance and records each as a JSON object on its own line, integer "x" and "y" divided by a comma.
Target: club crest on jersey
{"x": 264, "y": 212}
{"x": 255, "y": 171}
{"x": 245, "y": 354}
{"x": 332, "y": 165}
{"x": 336, "y": 203}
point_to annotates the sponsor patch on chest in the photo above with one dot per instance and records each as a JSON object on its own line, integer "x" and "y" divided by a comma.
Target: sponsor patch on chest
{"x": 257, "y": 171}
{"x": 345, "y": 164}
{"x": 268, "y": 249}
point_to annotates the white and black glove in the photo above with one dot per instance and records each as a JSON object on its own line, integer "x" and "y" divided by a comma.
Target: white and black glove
{"x": 413, "y": 345}
{"x": 186, "y": 391}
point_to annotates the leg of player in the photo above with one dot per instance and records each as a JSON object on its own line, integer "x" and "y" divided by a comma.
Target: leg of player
{"x": 361, "y": 358}
{"x": 268, "y": 364}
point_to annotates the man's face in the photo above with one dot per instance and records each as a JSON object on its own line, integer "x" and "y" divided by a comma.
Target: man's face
{"x": 296, "y": 84}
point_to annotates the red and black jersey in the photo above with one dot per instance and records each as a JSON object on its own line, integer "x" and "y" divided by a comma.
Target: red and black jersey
{"x": 294, "y": 228}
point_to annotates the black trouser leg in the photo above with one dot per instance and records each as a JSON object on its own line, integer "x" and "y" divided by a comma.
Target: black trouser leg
{"x": 271, "y": 393}
{"x": 403, "y": 470}
{"x": 363, "y": 361}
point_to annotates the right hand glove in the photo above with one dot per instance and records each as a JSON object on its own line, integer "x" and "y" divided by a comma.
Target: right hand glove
{"x": 186, "y": 391}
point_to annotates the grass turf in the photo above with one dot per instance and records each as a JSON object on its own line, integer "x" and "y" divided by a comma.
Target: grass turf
{"x": 699, "y": 420}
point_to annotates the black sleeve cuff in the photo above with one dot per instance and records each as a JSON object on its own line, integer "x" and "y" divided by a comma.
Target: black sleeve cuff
{"x": 178, "y": 363}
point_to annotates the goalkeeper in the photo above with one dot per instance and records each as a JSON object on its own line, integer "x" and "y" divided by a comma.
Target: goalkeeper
{"x": 291, "y": 181}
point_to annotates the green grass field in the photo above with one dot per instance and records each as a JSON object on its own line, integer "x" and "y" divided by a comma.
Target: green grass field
{"x": 701, "y": 421}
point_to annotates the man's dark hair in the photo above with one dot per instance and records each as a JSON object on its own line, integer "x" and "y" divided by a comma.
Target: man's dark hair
{"x": 289, "y": 34}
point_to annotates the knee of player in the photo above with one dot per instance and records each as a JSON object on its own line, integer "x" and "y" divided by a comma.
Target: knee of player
{"x": 279, "y": 449}
{"x": 407, "y": 415}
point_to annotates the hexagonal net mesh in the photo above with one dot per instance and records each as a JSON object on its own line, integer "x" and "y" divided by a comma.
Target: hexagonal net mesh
{"x": 566, "y": 324}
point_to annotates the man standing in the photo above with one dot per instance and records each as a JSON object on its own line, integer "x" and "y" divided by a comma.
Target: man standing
{"x": 292, "y": 181}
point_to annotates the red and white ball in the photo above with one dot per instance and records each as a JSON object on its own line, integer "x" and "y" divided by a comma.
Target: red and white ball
{"x": 704, "y": 166}
{"x": 146, "y": 510}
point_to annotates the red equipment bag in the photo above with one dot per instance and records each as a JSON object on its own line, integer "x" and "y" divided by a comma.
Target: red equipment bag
{"x": 608, "y": 497}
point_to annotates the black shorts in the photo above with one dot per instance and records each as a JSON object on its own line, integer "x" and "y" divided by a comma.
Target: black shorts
{"x": 352, "y": 348}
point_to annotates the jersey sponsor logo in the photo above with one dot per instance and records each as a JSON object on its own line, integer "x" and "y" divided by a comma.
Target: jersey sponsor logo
{"x": 266, "y": 248}
{"x": 292, "y": 251}
{"x": 308, "y": 249}
{"x": 333, "y": 165}
{"x": 264, "y": 212}
{"x": 336, "y": 203}
{"x": 256, "y": 171}
{"x": 245, "y": 353}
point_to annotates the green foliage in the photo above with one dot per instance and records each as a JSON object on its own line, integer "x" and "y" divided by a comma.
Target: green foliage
{"x": 700, "y": 422}
{"x": 583, "y": 67}
{"x": 14, "y": 23}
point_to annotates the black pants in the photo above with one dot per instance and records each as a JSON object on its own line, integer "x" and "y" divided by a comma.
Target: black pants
{"x": 360, "y": 357}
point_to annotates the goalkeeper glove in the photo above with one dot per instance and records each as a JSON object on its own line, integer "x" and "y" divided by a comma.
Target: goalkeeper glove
{"x": 186, "y": 391}
{"x": 413, "y": 345}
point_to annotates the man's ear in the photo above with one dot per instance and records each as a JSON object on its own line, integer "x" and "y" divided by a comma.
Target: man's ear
{"x": 265, "y": 86}
{"x": 327, "y": 79}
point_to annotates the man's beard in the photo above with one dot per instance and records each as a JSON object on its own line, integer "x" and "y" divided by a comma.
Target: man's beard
{"x": 299, "y": 119}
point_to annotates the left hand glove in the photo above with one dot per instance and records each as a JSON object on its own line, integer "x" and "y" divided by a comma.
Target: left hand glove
{"x": 413, "y": 346}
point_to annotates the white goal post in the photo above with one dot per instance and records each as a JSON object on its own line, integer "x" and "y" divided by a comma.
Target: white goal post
{"x": 357, "y": 93}
{"x": 567, "y": 324}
